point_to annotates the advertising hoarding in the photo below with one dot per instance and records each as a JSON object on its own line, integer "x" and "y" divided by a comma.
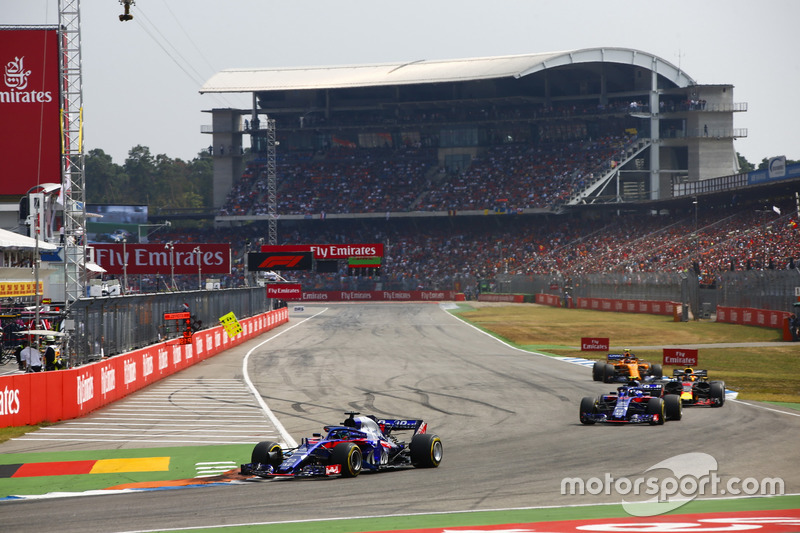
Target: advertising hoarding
{"x": 29, "y": 109}
{"x": 159, "y": 259}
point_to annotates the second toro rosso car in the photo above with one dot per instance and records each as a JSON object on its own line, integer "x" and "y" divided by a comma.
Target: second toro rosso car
{"x": 633, "y": 403}
{"x": 359, "y": 443}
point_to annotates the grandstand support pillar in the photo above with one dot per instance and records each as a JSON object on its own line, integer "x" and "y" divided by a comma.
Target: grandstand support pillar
{"x": 655, "y": 145}
{"x": 226, "y": 134}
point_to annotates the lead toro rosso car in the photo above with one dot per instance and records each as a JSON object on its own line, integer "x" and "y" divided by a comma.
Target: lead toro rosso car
{"x": 360, "y": 443}
{"x": 632, "y": 403}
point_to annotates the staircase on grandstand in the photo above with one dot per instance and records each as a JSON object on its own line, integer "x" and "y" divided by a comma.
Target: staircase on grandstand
{"x": 595, "y": 190}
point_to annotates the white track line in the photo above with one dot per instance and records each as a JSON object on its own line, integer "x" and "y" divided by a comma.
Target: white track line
{"x": 288, "y": 440}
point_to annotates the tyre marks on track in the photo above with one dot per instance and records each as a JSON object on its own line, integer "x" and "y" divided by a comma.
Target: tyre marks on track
{"x": 175, "y": 412}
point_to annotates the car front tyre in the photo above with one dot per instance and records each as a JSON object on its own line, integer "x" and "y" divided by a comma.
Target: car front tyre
{"x": 348, "y": 455}
{"x": 267, "y": 453}
{"x": 673, "y": 407}
{"x": 655, "y": 406}
{"x": 587, "y": 407}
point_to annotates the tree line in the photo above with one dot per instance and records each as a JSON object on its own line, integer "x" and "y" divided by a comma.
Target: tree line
{"x": 157, "y": 181}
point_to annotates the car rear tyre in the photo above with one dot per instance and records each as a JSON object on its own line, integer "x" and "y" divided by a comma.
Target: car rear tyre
{"x": 587, "y": 408}
{"x": 267, "y": 453}
{"x": 656, "y": 371}
{"x": 655, "y": 406}
{"x": 609, "y": 373}
{"x": 717, "y": 393}
{"x": 597, "y": 371}
{"x": 426, "y": 450}
{"x": 349, "y": 456}
{"x": 673, "y": 407}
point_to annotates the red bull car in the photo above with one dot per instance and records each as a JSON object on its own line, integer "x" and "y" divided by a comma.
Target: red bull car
{"x": 360, "y": 443}
{"x": 694, "y": 388}
{"x": 633, "y": 403}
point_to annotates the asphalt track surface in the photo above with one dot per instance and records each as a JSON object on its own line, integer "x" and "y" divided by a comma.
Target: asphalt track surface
{"x": 508, "y": 420}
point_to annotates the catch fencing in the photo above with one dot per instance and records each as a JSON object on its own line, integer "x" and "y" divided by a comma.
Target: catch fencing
{"x": 757, "y": 289}
{"x": 112, "y": 325}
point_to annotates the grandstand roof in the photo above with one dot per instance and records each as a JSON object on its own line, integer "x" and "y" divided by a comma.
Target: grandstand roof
{"x": 436, "y": 71}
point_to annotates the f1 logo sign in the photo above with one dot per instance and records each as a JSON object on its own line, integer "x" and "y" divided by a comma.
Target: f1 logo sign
{"x": 279, "y": 261}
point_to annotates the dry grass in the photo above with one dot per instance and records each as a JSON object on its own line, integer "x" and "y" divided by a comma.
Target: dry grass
{"x": 14, "y": 432}
{"x": 759, "y": 373}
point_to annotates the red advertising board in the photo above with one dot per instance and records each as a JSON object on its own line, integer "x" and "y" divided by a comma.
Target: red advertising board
{"x": 599, "y": 344}
{"x": 512, "y": 298}
{"x": 29, "y": 109}
{"x": 380, "y": 296}
{"x": 329, "y": 251}
{"x": 285, "y": 291}
{"x": 156, "y": 259}
{"x": 680, "y": 357}
{"x": 764, "y": 318}
{"x": 32, "y": 398}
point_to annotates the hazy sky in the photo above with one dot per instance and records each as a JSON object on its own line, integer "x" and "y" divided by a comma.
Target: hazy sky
{"x": 141, "y": 78}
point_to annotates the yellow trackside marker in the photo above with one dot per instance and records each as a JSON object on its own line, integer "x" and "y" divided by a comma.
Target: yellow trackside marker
{"x": 138, "y": 464}
{"x": 231, "y": 325}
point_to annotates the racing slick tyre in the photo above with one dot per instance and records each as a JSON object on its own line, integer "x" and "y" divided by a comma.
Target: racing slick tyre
{"x": 597, "y": 371}
{"x": 426, "y": 450}
{"x": 717, "y": 393}
{"x": 656, "y": 371}
{"x": 267, "y": 453}
{"x": 673, "y": 407}
{"x": 609, "y": 373}
{"x": 349, "y": 456}
{"x": 655, "y": 406}
{"x": 587, "y": 408}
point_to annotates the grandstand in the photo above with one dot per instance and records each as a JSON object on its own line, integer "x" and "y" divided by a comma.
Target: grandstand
{"x": 533, "y": 133}
{"x": 568, "y": 163}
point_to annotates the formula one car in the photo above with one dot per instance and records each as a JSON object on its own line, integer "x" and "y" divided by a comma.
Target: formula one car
{"x": 360, "y": 443}
{"x": 625, "y": 367}
{"x": 633, "y": 403}
{"x": 694, "y": 388}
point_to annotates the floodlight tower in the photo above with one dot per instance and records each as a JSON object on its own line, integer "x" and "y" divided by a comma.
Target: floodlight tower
{"x": 73, "y": 183}
{"x": 272, "y": 187}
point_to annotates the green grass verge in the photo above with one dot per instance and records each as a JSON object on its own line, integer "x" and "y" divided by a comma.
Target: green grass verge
{"x": 769, "y": 373}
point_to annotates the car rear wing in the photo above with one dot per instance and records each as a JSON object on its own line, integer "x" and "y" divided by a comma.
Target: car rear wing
{"x": 615, "y": 357}
{"x": 679, "y": 373}
{"x": 651, "y": 389}
{"x": 391, "y": 424}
